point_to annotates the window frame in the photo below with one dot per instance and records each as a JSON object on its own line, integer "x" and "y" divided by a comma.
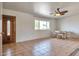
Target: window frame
{"x": 39, "y": 22}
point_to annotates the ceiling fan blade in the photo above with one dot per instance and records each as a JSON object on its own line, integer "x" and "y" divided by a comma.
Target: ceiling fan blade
{"x": 58, "y": 10}
{"x": 64, "y": 11}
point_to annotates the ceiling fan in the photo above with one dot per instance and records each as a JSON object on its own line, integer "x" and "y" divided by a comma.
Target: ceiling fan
{"x": 59, "y": 12}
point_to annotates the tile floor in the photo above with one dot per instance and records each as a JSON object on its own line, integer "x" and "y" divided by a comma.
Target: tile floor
{"x": 41, "y": 47}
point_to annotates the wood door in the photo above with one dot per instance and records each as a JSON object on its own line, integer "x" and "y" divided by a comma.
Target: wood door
{"x": 13, "y": 28}
{"x": 4, "y": 28}
{"x": 12, "y": 37}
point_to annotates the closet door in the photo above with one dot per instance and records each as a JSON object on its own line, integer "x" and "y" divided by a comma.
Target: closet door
{"x": 13, "y": 28}
{"x": 4, "y": 28}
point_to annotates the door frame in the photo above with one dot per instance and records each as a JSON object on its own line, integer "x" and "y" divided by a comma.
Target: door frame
{"x": 12, "y": 28}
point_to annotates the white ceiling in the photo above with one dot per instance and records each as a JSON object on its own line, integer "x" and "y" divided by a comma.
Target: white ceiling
{"x": 43, "y": 9}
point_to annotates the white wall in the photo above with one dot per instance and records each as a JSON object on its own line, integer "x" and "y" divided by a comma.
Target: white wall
{"x": 25, "y": 26}
{"x": 70, "y": 23}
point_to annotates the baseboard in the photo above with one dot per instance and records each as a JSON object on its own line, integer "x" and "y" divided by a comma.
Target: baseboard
{"x": 34, "y": 39}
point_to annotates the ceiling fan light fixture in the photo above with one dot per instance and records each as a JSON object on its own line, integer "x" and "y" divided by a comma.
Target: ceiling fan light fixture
{"x": 58, "y": 12}
{"x": 57, "y": 15}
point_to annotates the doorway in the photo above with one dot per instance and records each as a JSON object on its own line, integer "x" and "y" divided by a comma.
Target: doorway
{"x": 8, "y": 29}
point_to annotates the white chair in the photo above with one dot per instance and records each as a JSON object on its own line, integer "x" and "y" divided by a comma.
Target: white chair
{"x": 62, "y": 35}
{"x": 58, "y": 34}
{"x": 69, "y": 35}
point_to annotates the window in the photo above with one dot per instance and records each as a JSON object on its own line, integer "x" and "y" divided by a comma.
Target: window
{"x": 42, "y": 25}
